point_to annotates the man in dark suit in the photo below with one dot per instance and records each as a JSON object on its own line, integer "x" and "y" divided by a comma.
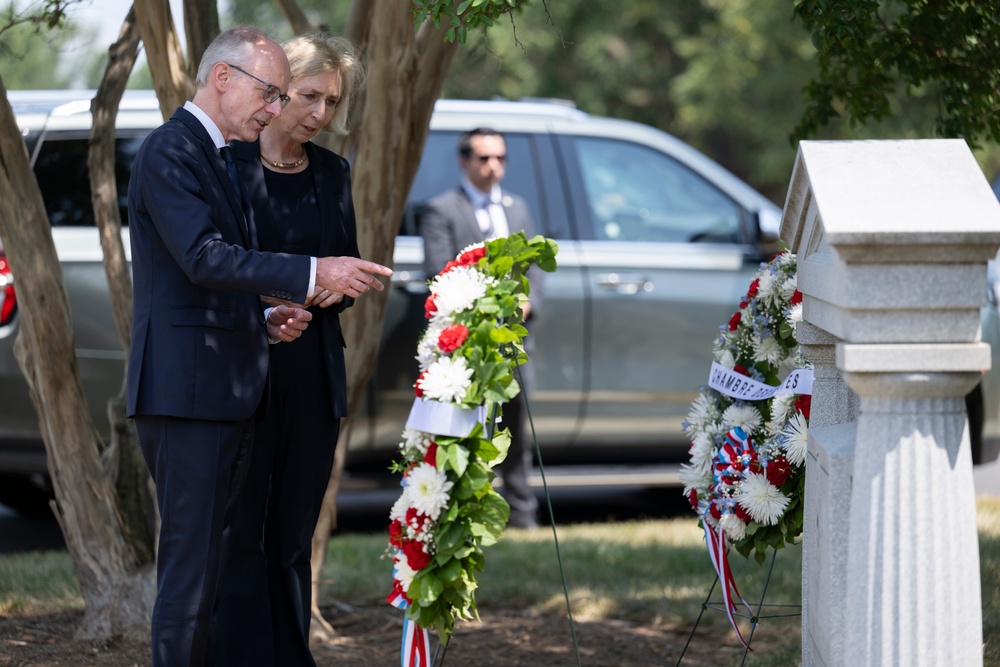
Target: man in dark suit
{"x": 477, "y": 210}
{"x": 199, "y": 353}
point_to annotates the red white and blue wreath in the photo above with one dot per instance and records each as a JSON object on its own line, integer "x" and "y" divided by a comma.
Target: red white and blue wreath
{"x": 748, "y": 428}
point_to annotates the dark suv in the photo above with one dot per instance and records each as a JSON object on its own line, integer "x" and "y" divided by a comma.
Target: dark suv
{"x": 656, "y": 246}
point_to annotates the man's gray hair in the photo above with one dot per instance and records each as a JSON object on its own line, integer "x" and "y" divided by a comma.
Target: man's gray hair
{"x": 232, "y": 46}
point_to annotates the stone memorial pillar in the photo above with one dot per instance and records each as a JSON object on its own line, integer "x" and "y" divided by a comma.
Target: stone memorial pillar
{"x": 892, "y": 239}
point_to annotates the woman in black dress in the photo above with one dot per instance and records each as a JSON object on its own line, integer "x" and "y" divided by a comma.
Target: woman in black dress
{"x": 301, "y": 195}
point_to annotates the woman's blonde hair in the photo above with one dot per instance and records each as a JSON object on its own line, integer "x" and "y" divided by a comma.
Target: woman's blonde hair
{"x": 312, "y": 54}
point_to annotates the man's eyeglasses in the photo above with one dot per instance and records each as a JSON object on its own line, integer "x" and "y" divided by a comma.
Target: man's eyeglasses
{"x": 271, "y": 92}
{"x": 486, "y": 158}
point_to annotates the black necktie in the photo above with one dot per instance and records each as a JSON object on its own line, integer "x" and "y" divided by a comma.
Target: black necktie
{"x": 234, "y": 176}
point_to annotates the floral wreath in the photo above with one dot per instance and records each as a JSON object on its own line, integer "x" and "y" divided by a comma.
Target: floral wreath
{"x": 448, "y": 510}
{"x": 746, "y": 473}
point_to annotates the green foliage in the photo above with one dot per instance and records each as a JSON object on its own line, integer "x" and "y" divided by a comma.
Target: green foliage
{"x": 869, "y": 49}
{"x": 468, "y": 14}
{"x": 32, "y": 44}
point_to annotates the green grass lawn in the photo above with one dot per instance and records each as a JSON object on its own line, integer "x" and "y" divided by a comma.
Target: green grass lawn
{"x": 652, "y": 573}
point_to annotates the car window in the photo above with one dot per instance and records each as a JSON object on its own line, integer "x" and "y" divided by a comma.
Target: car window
{"x": 61, "y": 170}
{"x": 636, "y": 193}
{"x": 439, "y": 171}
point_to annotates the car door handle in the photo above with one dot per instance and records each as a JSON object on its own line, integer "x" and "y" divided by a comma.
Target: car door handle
{"x": 624, "y": 283}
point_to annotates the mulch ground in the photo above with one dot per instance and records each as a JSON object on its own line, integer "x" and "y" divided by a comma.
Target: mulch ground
{"x": 370, "y": 637}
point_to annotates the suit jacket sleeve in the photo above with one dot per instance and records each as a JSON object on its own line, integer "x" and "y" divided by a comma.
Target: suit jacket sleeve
{"x": 181, "y": 199}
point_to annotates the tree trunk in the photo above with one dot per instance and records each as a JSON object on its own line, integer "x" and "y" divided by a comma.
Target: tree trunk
{"x": 403, "y": 85}
{"x": 201, "y": 26}
{"x": 123, "y": 458}
{"x": 296, "y": 17}
{"x": 116, "y": 591}
{"x": 171, "y": 81}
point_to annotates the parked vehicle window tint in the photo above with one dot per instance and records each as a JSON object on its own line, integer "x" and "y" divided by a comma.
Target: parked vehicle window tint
{"x": 61, "y": 169}
{"x": 638, "y": 194}
{"x": 439, "y": 171}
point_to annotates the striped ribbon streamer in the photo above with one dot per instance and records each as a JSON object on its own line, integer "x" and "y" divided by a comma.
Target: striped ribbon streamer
{"x": 415, "y": 647}
{"x": 720, "y": 561}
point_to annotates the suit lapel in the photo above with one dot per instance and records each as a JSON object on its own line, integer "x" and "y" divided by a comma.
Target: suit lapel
{"x": 218, "y": 166}
{"x": 467, "y": 212}
{"x": 325, "y": 176}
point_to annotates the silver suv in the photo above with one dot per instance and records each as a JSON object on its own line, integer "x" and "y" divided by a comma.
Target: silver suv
{"x": 656, "y": 246}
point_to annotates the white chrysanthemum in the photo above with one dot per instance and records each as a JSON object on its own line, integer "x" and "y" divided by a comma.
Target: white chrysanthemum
{"x": 427, "y": 347}
{"x": 733, "y": 526}
{"x": 724, "y": 357}
{"x": 701, "y": 411}
{"x": 702, "y": 450}
{"x": 789, "y": 286}
{"x": 795, "y": 314}
{"x": 427, "y": 490}
{"x": 796, "y": 439}
{"x": 694, "y": 477}
{"x": 458, "y": 290}
{"x": 403, "y": 572}
{"x": 447, "y": 380}
{"x": 747, "y": 417}
{"x": 786, "y": 259}
{"x": 766, "y": 284}
{"x": 781, "y": 407}
{"x": 764, "y": 502}
{"x": 398, "y": 511}
{"x": 768, "y": 349}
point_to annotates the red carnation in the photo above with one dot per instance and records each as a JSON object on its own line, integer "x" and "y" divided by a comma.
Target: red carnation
{"x": 734, "y": 321}
{"x": 796, "y": 297}
{"x": 417, "y": 389}
{"x": 396, "y": 534}
{"x": 449, "y": 266}
{"x": 693, "y": 498}
{"x": 452, "y": 337}
{"x": 778, "y": 470}
{"x": 754, "y": 286}
{"x": 430, "y": 307}
{"x": 472, "y": 256}
{"x": 416, "y": 557}
{"x": 430, "y": 458}
{"x": 742, "y": 513}
{"x": 415, "y": 519}
{"x": 742, "y": 370}
{"x": 803, "y": 403}
{"x": 714, "y": 511}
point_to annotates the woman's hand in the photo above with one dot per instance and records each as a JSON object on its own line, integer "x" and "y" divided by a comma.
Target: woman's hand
{"x": 324, "y": 298}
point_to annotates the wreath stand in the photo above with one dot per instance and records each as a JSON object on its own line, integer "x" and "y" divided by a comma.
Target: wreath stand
{"x": 754, "y": 619}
